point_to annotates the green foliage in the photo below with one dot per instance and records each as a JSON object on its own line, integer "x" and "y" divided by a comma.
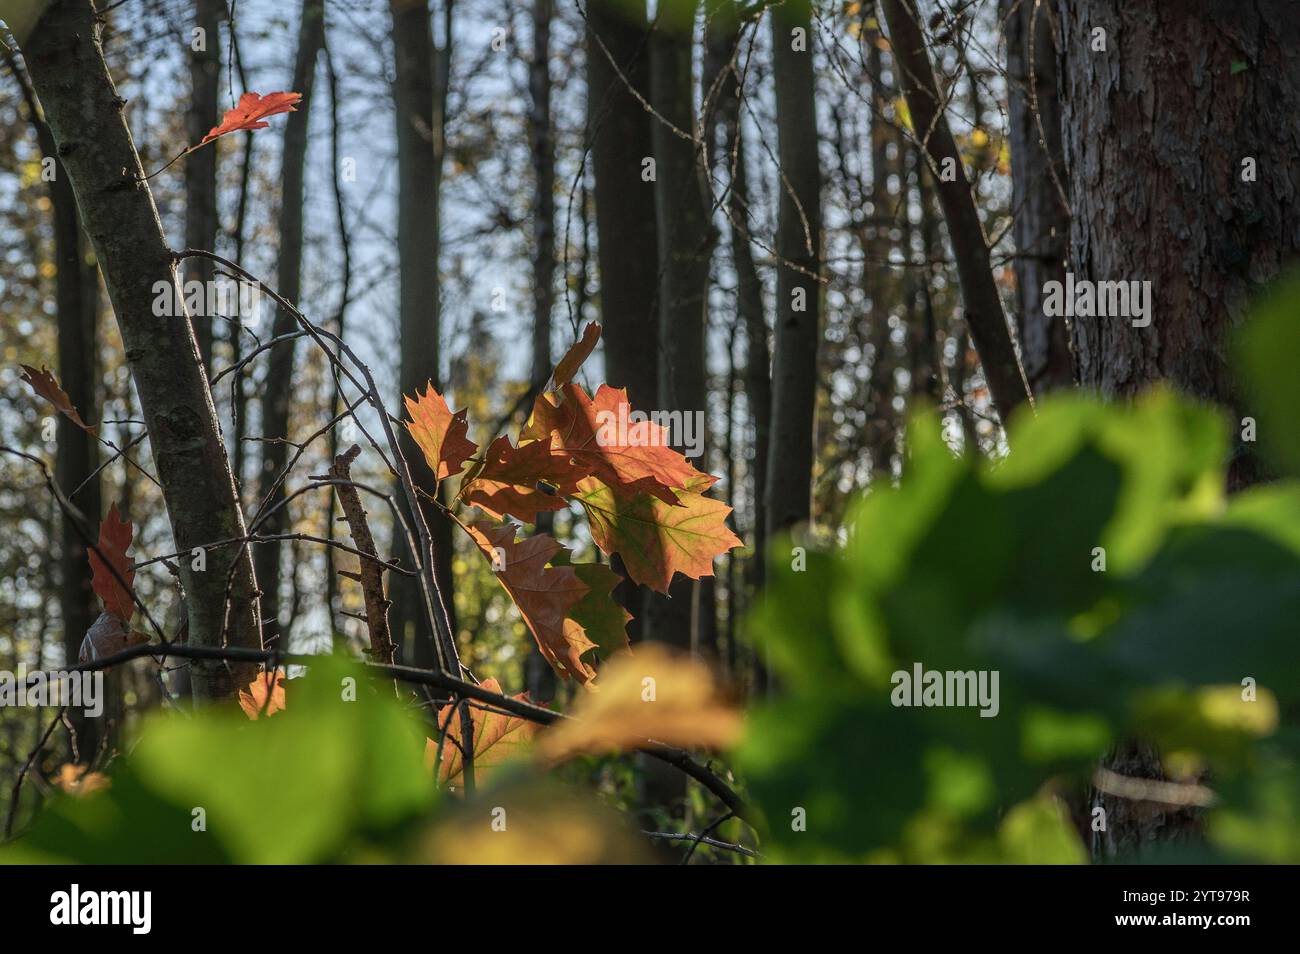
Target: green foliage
{"x": 974, "y": 566}
{"x": 302, "y": 786}
{"x": 1266, "y": 353}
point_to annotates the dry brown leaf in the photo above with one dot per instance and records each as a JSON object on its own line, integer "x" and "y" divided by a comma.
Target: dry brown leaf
{"x": 46, "y": 385}
{"x": 106, "y": 636}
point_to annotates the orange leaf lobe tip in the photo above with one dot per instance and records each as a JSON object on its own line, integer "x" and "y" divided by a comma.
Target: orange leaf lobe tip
{"x": 576, "y": 355}
{"x": 609, "y": 441}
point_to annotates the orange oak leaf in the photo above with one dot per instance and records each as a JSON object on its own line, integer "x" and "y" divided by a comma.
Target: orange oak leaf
{"x": 250, "y": 112}
{"x": 610, "y": 441}
{"x": 497, "y": 737}
{"x": 656, "y": 539}
{"x": 545, "y": 595}
{"x": 264, "y": 695}
{"x": 46, "y": 385}
{"x": 114, "y": 539}
{"x": 654, "y": 694}
{"x": 520, "y": 481}
{"x": 576, "y": 355}
{"x": 440, "y": 433}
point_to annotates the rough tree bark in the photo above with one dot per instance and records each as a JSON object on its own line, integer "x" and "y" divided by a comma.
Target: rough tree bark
{"x": 627, "y": 252}
{"x": 420, "y": 84}
{"x": 980, "y": 300}
{"x": 1158, "y": 127}
{"x": 722, "y": 41}
{"x": 1160, "y": 111}
{"x": 76, "y": 301}
{"x": 277, "y": 391}
{"x": 798, "y": 247}
{"x": 618, "y": 131}
{"x": 94, "y": 144}
{"x": 1042, "y": 218}
{"x": 201, "y": 167}
{"x": 539, "y": 677}
{"x": 684, "y": 236}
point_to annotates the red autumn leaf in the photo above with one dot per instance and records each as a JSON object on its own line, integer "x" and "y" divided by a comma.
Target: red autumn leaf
{"x": 546, "y": 595}
{"x": 440, "y": 433}
{"x": 576, "y": 355}
{"x": 46, "y": 385}
{"x": 497, "y": 737}
{"x": 656, "y": 539}
{"x": 520, "y": 481}
{"x": 250, "y": 112}
{"x": 114, "y": 539}
{"x": 264, "y": 695}
{"x": 609, "y": 442}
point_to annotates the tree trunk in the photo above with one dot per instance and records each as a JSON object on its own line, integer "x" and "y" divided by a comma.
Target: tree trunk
{"x": 798, "y": 291}
{"x": 539, "y": 677}
{"x": 618, "y": 56}
{"x": 681, "y": 214}
{"x": 278, "y": 389}
{"x": 201, "y": 167}
{"x": 76, "y": 300}
{"x": 1157, "y": 129}
{"x": 749, "y": 288}
{"x": 1160, "y": 186}
{"x": 420, "y": 83}
{"x": 980, "y": 299}
{"x": 1042, "y": 219}
{"x": 117, "y": 210}
{"x": 627, "y": 253}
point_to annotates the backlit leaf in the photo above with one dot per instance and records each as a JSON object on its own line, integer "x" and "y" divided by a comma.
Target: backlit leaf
{"x": 251, "y": 112}
{"x": 264, "y": 695}
{"x": 440, "y": 433}
{"x": 656, "y": 539}
{"x": 520, "y": 481}
{"x": 610, "y": 441}
{"x": 498, "y": 736}
{"x": 545, "y": 595}
{"x": 576, "y": 355}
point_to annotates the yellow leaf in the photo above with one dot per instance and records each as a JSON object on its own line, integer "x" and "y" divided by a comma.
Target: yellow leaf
{"x": 648, "y": 694}
{"x": 255, "y": 702}
{"x": 78, "y": 781}
{"x": 497, "y": 737}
